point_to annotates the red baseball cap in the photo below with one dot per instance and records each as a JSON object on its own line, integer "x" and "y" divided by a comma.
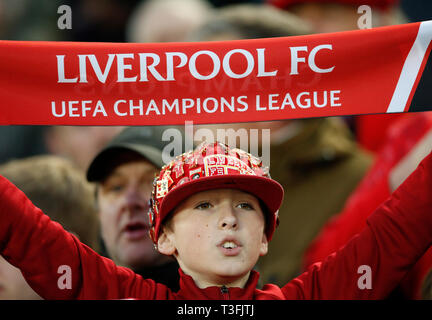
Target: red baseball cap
{"x": 208, "y": 167}
{"x": 382, "y": 4}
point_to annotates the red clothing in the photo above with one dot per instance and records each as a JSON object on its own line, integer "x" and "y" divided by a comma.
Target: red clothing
{"x": 371, "y": 129}
{"x": 398, "y": 233}
{"x": 372, "y": 191}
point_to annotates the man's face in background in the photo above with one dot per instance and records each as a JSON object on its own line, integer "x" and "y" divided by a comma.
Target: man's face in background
{"x": 123, "y": 200}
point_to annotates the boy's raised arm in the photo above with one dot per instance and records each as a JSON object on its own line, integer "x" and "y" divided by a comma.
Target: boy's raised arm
{"x": 54, "y": 262}
{"x": 372, "y": 264}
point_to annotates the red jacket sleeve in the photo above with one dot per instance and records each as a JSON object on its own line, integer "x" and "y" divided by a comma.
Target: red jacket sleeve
{"x": 46, "y": 254}
{"x": 402, "y": 141}
{"x": 397, "y": 234}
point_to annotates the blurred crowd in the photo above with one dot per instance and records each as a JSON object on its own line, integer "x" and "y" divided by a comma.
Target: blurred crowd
{"x": 96, "y": 181}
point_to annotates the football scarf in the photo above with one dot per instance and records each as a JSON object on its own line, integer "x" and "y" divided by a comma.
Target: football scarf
{"x": 380, "y": 70}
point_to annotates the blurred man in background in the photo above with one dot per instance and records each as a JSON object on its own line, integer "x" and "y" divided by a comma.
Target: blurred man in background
{"x": 124, "y": 172}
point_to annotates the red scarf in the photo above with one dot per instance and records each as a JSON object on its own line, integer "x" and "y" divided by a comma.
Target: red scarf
{"x": 380, "y": 70}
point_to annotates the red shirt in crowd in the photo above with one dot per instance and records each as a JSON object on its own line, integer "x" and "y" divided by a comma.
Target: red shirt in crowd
{"x": 405, "y": 137}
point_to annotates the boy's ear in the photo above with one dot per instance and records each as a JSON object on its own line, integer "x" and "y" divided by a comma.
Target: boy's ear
{"x": 264, "y": 245}
{"x": 165, "y": 245}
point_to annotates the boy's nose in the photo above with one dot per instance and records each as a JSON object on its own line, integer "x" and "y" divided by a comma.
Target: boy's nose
{"x": 227, "y": 219}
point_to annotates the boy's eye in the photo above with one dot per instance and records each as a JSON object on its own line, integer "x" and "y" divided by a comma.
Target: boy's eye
{"x": 203, "y": 206}
{"x": 245, "y": 206}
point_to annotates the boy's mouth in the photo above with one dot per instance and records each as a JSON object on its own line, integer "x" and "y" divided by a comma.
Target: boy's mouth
{"x": 230, "y": 247}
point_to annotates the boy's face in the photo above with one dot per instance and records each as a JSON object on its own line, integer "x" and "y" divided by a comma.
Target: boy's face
{"x": 123, "y": 205}
{"x": 217, "y": 236}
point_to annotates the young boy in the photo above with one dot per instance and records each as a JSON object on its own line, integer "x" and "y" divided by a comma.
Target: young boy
{"x": 215, "y": 209}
